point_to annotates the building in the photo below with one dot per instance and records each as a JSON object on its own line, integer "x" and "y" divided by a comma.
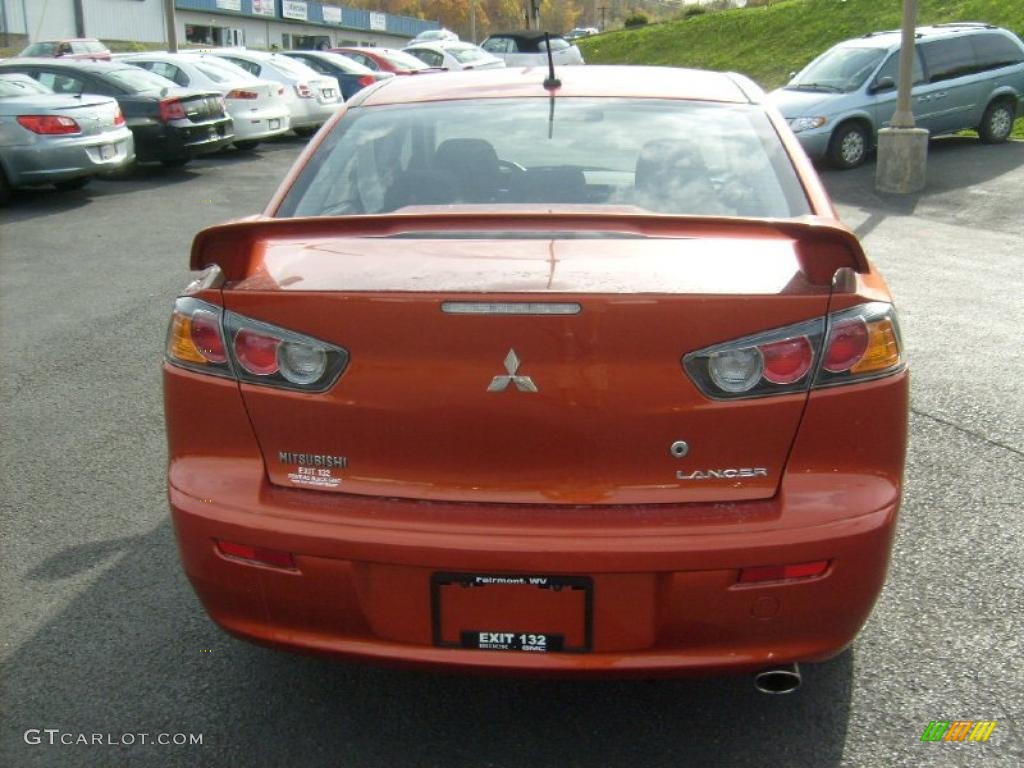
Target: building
{"x": 253, "y": 23}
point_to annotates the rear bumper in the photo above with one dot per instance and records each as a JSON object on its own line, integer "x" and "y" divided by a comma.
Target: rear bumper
{"x": 666, "y": 596}
{"x": 311, "y": 113}
{"x": 260, "y": 124}
{"x": 58, "y": 159}
{"x": 181, "y": 140}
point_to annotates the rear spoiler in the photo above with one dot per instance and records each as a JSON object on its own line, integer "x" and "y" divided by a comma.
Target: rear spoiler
{"x": 823, "y": 246}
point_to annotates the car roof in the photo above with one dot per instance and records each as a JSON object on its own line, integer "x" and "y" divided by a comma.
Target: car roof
{"x": 593, "y": 81}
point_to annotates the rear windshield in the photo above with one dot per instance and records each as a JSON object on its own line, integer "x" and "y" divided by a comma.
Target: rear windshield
{"x": 21, "y": 86}
{"x": 292, "y": 67}
{"x": 89, "y": 46}
{"x": 661, "y": 156}
{"x": 464, "y": 54}
{"x": 135, "y": 80}
{"x": 401, "y": 60}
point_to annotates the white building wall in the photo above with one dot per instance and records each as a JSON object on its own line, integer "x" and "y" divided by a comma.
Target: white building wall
{"x": 138, "y": 20}
{"x": 264, "y": 34}
{"x": 46, "y": 18}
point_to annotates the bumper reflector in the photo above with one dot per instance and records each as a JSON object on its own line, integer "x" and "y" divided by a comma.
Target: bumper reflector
{"x": 275, "y": 558}
{"x": 783, "y": 572}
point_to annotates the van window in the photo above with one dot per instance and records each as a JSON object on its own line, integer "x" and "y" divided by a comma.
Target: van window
{"x": 891, "y": 68}
{"x": 949, "y": 58}
{"x": 993, "y": 50}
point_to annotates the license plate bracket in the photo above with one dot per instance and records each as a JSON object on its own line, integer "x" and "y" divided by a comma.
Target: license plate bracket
{"x": 108, "y": 151}
{"x": 512, "y": 612}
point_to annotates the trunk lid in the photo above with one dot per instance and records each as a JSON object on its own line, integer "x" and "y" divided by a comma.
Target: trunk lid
{"x": 417, "y": 413}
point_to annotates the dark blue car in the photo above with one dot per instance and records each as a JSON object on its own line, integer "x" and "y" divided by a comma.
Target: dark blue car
{"x": 351, "y": 75}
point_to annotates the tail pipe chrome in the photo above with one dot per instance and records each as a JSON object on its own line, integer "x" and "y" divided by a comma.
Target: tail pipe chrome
{"x": 783, "y": 679}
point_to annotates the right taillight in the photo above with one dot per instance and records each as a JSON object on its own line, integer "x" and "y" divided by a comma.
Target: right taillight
{"x": 852, "y": 345}
{"x": 171, "y": 109}
{"x": 203, "y": 337}
{"x": 241, "y": 93}
{"x": 303, "y": 91}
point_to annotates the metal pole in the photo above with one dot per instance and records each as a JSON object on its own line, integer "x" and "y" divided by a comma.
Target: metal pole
{"x": 472, "y": 20}
{"x": 904, "y": 117}
{"x": 79, "y": 19}
{"x": 172, "y": 26}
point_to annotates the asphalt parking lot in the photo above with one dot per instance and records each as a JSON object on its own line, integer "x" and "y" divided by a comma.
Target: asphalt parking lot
{"x": 101, "y": 632}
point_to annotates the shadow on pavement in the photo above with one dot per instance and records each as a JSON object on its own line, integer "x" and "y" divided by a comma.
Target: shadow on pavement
{"x": 963, "y": 184}
{"x": 133, "y": 652}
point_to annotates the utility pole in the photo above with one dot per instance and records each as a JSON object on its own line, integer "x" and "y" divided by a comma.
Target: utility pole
{"x": 603, "y": 9}
{"x": 535, "y": 14}
{"x": 903, "y": 149}
{"x": 171, "y": 23}
{"x": 472, "y": 21}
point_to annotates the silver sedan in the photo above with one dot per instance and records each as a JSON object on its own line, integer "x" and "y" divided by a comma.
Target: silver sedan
{"x": 64, "y": 140}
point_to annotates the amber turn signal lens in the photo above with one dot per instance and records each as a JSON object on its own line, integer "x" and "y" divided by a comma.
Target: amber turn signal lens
{"x": 883, "y": 350}
{"x": 179, "y": 343}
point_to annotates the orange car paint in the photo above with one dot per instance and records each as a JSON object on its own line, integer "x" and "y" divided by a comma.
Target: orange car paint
{"x": 574, "y": 480}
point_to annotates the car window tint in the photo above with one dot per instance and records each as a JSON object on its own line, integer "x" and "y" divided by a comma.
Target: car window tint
{"x": 135, "y": 80}
{"x": 663, "y": 156}
{"x": 428, "y": 57}
{"x": 993, "y": 50}
{"x": 215, "y": 74}
{"x": 946, "y": 59}
{"x": 496, "y": 45}
{"x": 61, "y": 82}
{"x": 891, "y": 68}
{"x": 467, "y": 54}
{"x": 366, "y": 61}
{"x": 315, "y": 64}
{"x": 559, "y": 44}
{"x": 249, "y": 66}
{"x": 17, "y": 86}
{"x": 170, "y": 71}
{"x": 402, "y": 60}
{"x": 40, "y": 49}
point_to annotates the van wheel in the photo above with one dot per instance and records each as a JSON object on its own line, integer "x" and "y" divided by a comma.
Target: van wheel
{"x": 849, "y": 146}
{"x": 997, "y": 123}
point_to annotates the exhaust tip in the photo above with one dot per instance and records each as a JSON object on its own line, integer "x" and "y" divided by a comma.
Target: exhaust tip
{"x": 778, "y": 680}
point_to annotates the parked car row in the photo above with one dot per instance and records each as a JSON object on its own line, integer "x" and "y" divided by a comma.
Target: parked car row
{"x": 173, "y": 107}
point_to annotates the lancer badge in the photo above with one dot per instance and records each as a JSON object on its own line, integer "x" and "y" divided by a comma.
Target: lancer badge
{"x": 523, "y": 383}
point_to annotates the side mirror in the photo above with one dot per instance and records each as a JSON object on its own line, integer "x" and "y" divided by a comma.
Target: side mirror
{"x": 792, "y": 74}
{"x": 883, "y": 84}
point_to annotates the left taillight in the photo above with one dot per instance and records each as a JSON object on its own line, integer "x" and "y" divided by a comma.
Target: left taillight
{"x": 848, "y": 346}
{"x": 241, "y": 93}
{"x": 304, "y": 91}
{"x": 49, "y": 125}
{"x": 118, "y": 117}
{"x": 205, "y": 338}
{"x": 366, "y": 80}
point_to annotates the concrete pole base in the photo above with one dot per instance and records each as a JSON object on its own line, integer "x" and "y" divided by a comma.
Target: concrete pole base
{"x": 902, "y": 160}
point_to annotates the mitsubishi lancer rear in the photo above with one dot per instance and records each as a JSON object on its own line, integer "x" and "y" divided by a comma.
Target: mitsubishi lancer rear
{"x": 545, "y": 373}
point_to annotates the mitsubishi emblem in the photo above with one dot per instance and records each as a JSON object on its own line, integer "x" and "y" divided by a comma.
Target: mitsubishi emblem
{"x": 523, "y": 383}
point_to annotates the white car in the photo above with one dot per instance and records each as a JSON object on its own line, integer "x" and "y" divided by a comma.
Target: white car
{"x": 257, "y": 107}
{"x": 453, "y": 55}
{"x": 312, "y": 98}
{"x": 526, "y": 49}
{"x": 433, "y": 35}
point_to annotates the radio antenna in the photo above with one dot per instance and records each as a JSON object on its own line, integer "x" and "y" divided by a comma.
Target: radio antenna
{"x": 551, "y": 82}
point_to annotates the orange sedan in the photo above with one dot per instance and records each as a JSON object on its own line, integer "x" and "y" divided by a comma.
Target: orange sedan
{"x": 577, "y": 376}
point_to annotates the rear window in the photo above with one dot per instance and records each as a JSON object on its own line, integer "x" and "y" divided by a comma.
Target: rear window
{"x": 993, "y": 50}
{"x": 88, "y": 46}
{"x": 946, "y": 59}
{"x": 401, "y": 60}
{"x": 40, "y": 49}
{"x": 136, "y": 80}
{"x": 21, "y": 86}
{"x": 660, "y": 156}
{"x": 466, "y": 54}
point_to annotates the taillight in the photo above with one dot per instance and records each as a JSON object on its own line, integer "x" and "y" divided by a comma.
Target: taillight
{"x": 171, "y": 109}
{"x": 49, "y": 125}
{"x": 852, "y": 345}
{"x": 240, "y": 93}
{"x": 119, "y": 117}
{"x": 203, "y": 337}
{"x": 366, "y": 80}
{"x": 304, "y": 91}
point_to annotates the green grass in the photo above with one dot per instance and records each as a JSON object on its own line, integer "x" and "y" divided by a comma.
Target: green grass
{"x": 768, "y": 43}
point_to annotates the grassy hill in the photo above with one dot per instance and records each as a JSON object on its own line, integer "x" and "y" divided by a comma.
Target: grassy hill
{"x": 767, "y": 43}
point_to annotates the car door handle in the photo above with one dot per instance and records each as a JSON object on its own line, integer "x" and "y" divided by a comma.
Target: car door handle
{"x": 939, "y": 95}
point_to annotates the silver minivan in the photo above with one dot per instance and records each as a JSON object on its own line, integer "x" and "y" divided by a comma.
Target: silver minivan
{"x": 966, "y": 75}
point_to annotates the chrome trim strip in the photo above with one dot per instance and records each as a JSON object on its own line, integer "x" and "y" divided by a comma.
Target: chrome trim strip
{"x": 510, "y": 308}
